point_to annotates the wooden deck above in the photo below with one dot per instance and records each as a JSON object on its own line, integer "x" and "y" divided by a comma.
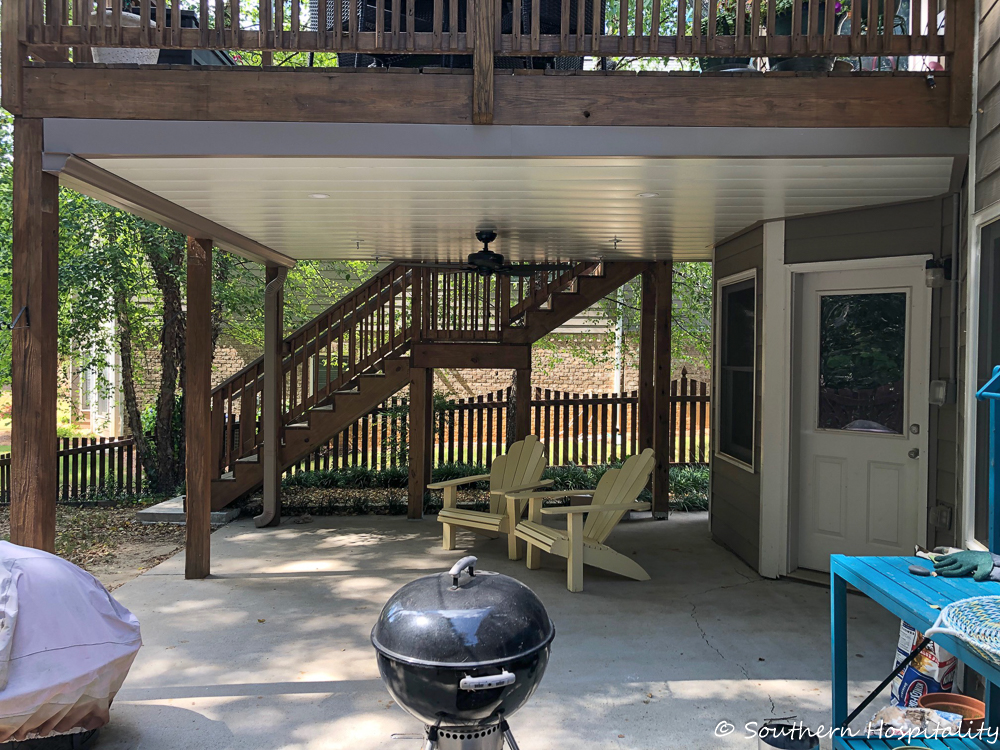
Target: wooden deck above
{"x": 588, "y": 98}
{"x": 446, "y": 61}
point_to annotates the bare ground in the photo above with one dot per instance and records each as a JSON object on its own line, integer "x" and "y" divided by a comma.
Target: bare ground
{"x": 109, "y": 542}
{"x": 113, "y": 546}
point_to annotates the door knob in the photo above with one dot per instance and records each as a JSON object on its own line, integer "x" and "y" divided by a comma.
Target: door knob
{"x": 913, "y": 453}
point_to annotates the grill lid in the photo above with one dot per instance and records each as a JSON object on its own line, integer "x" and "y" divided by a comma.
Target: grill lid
{"x": 462, "y": 618}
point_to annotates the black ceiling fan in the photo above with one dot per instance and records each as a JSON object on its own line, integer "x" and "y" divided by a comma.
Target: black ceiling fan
{"x": 485, "y": 262}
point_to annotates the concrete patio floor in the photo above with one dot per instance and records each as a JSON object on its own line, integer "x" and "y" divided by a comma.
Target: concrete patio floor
{"x": 273, "y": 651}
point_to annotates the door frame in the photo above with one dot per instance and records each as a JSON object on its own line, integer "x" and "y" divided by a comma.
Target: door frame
{"x": 780, "y": 280}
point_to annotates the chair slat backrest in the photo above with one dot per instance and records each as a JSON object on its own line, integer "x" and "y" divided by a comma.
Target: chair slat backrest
{"x": 617, "y": 487}
{"x": 522, "y": 464}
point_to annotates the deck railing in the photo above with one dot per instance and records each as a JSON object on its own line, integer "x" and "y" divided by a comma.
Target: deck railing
{"x": 517, "y": 28}
{"x": 380, "y": 319}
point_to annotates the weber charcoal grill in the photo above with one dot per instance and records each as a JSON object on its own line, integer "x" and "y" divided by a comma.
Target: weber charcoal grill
{"x": 461, "y": 651}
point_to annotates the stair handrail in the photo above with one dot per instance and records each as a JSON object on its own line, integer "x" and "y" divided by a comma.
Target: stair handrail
{"x": 543, "y": 285}
{"x": 287, "y": 341}
{"x": 379, "y": 319}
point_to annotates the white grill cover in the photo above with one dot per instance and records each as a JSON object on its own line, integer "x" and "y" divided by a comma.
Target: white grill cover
{"x": 65, "y": 646}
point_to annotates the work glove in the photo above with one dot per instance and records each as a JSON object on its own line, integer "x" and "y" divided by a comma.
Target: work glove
{"x": 979, "y": 565}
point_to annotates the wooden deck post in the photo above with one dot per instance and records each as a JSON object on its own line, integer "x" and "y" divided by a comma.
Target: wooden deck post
{"x": 647, "y": 356}
{"x": 961, "y": 33}
{"x": 421, "y": 437}
{"x": 198, "y": 409}
{"x": 664, "y": 272}
{"x": 270, "y": 449}
{"x": 522, "y": 403}
{"x": 482, "y": 63}
{"x": 35, "y": 308}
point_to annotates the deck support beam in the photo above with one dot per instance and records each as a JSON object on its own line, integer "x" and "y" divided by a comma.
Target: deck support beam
{"x": 198, "y": 409}
{"x": 34, "y": 364}
{"x": 270, "y": 449}
{"x": 421, "y": 437}
{"x": 664, "y": 273}
{"x": 962, "y": 29}
{"x": 482, "y": 64}
{"x": 647, "y": 343}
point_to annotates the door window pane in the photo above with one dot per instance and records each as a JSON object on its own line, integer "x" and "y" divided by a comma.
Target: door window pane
{"x": 862, "y": 360}
{"x": 736, "y": 377}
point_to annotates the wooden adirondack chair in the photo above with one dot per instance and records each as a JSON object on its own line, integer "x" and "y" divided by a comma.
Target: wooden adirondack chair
{"x": 517, "y": 470}
{"x": 583, "y": 543}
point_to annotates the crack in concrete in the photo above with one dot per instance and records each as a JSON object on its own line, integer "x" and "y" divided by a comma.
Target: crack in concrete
{"x": 748, "y": 578}
{"x": 704, "y": 636}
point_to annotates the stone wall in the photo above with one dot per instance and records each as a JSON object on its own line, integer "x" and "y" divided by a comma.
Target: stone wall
{"x": 573, "y": 368}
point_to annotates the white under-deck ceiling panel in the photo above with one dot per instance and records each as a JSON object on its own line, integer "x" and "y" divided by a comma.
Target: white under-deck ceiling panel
{"x": 423, "y": 208}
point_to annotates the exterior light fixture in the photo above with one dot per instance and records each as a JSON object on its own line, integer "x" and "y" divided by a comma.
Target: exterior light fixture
{"x": 937, "y": 273}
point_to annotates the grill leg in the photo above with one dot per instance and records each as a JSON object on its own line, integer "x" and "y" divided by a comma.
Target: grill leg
{"x": 431, "y": 742}
{"x": 508, "y": 736}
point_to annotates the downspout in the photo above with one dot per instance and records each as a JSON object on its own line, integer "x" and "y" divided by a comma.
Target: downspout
{"x": 270, "y": 406}
{"x": 956, "y": 238}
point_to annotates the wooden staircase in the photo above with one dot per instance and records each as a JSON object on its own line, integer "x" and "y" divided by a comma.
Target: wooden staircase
{"x": 341, "y": 365}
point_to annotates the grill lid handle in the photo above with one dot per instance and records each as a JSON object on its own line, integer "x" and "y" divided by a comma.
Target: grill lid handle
{"x": 466, "y": 563}
{"x": 487, "y": 682}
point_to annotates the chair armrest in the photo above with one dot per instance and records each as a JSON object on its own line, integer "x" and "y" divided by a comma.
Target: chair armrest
{"x": 549, "y": 495}
{"x": 521, "y": 487}
{"x": 458, "y": 482}
{"x": 595, "y": 509}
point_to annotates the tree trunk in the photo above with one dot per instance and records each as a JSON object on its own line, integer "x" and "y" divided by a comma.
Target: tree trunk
{"x": 166, "y": 263}
{"x": 133, "y": 415}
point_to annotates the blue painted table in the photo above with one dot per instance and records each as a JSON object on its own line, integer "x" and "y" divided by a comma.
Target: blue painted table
{"x": 917, "y": 600}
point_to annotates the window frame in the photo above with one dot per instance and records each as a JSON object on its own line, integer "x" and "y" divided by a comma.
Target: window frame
{"x": 751, "y": 274}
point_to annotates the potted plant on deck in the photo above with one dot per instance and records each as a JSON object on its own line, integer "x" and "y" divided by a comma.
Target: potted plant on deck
{"x": 123, "y": 55}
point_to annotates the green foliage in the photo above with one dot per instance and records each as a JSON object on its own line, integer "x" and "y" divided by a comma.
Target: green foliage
{"x": 862, "y": 340}
{"x": 688, "y": 484}
{"x": 689, "y": 488}
{"x": 311, "y": 286}
{"x": 447, "y": 472}
{"x": 397, "y": 444}
{"x": 148, "y": 417}
{"x": 691, "y": 324}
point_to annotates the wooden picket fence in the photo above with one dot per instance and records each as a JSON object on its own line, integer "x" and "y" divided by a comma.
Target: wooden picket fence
{"x": 583, "y": 429}
{"x": 89, "y": 469}
{"x": 579, "y": 428}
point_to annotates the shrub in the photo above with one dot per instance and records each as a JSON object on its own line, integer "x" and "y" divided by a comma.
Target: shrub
{"x": 447, "y": 472}
{"x": 689, "y": 488}
{"x": 688, "y": 484}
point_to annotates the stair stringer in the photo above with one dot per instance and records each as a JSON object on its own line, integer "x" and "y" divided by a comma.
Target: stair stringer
{"x": 321, "y": 425}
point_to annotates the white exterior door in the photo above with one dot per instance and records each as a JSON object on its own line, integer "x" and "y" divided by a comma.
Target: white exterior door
{"x": 862, "y": 364}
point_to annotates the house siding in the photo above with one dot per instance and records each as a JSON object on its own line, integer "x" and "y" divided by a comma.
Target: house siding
{"x": 988, "y": 107}
{"x": 916, "y": 228}
{"x": 735, "y": 503}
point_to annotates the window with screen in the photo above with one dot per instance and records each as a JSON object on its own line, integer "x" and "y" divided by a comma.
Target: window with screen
{"x": 737, "y": 350}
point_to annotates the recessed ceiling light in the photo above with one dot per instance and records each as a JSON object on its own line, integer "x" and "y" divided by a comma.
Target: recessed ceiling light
{"x": 646, "y": 195}
{"x": 319, "y": 196}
